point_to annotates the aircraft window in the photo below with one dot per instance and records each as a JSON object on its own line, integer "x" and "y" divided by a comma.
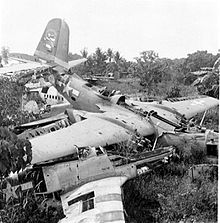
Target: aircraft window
{"x": 49, "y": 96}
{"x": 87, "y": 205}
{"x": 62, "y": 99}
{"x": 84, "y": 198}
{"x": 56, "y": 97}
{"x": 52, "y": 97}
{"x": 44, "y": 89}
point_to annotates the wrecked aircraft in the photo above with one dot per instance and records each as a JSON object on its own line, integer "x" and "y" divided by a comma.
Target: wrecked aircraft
{"x": 79, "y": 153}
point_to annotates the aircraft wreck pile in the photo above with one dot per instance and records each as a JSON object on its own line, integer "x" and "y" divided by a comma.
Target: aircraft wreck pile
{"x": 84, "y": 155}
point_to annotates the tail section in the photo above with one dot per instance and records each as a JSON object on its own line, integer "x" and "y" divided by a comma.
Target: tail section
{"x": 54, "y": 44}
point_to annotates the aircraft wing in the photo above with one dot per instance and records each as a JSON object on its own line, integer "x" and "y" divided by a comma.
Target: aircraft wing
{"x": 89, "y": 132}
{"x": 21, "y": 66}
{"x": 181, "y": 106}
{"x": 39, "y": 123}
{"x": 96, "y": 201}
{"x": 22, "y": 57}
{"x": 191, "y": 107}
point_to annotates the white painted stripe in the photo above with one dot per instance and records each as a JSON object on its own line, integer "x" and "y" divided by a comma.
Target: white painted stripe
{"x": 102, "y": 188}
{"x": 107, "y": 189}
{"x": 75, "y": 92}
{"x": 109, "y": 206}
{"x": 110, "y": 216}
{"x": 108, "y": 197}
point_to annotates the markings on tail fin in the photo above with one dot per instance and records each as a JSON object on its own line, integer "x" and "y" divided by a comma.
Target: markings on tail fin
{"x": 54, "y": 43}
{"x": 50, "y": 37}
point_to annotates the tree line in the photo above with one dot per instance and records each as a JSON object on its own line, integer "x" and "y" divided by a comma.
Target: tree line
{"x": 149, "y": 67}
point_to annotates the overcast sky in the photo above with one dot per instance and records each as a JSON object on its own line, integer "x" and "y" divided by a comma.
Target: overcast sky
{"x": 172, "y": 28}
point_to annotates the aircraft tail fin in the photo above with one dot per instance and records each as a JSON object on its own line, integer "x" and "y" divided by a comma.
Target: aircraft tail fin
{"x": 54, "y": 44}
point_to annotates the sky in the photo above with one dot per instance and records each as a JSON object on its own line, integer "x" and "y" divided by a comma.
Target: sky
{"x": 172, "y": 28}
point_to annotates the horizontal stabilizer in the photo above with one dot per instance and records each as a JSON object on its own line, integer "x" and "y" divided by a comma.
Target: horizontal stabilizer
{"x": 70, "y": 64}
{"x": 25, "y": 58}
{"x": 74, "y": 63}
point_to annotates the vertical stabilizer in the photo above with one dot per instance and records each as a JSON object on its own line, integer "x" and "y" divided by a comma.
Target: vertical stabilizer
{"x": 54, "y": 43}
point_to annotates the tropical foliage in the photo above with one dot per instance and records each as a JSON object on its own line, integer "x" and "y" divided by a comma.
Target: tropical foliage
{"x": 11, "y": 113}
{"x": 16, "y": 153}
{"x": 152, "y": 71}
{"x": 4, "y": 54}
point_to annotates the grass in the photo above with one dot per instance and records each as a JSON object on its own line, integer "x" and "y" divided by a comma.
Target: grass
{"x": 211, "y": 120}
{"x": 168, "y": 195}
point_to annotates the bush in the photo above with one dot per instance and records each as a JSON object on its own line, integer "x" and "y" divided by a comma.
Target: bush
{"x": 211, "y": 120}
{"x": 15, "y": 153}
{"x": 169, "y": 195}
{"x": 173, "y": 92}
{"x": 28, "y": 209}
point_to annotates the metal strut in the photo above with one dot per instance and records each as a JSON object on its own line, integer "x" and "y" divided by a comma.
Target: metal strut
{"x": 155, "y": 115}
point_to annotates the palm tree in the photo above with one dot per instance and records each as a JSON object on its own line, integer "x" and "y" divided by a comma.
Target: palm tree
{"x": 1, "y": 62}
{"x": 100, "y": 60}
{"x": 5, "y": 53}
{"x": 84, "y": 53}
{"x": 117, "y": 57}
{"x": 110, "y": 54}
